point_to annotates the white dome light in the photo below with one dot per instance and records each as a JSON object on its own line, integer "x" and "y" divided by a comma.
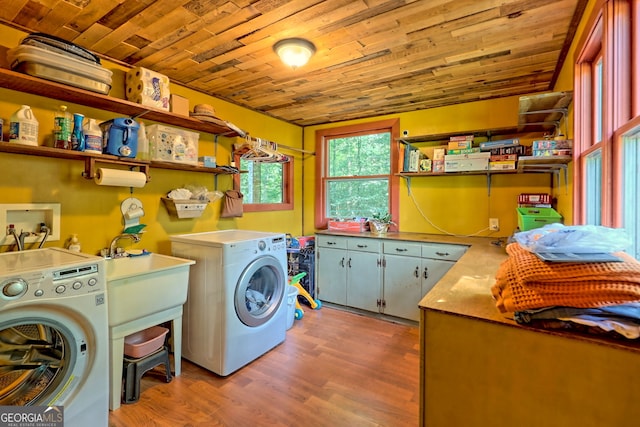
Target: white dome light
{"x": 294, "y": 52}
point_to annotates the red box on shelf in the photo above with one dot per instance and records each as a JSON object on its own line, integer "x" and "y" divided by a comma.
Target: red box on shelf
{"x": 356, "y": 226}
{"x": 534, "y": 198}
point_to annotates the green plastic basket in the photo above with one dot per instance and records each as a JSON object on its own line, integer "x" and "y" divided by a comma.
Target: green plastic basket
{"x": 530, "y": 218}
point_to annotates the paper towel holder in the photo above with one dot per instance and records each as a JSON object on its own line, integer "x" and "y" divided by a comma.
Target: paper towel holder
{"x": 132, "y": 210}
{"x": 90, "y": 166}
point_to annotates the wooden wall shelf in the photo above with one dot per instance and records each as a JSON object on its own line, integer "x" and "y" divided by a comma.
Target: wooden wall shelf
{"x": 91, "y": 158}
{"x": 36, "y": 86}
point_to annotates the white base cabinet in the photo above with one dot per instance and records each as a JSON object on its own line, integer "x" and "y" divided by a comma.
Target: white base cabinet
{"x": 380, "y": 275}
{"x": 348, "y": 271}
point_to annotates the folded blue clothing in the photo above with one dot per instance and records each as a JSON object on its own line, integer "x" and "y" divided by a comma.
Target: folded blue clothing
{"x": 629, "y": 311}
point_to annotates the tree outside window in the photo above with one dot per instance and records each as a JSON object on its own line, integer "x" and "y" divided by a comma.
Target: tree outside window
{"x": 355, "y": 171}
{"x": 265, "y": 186}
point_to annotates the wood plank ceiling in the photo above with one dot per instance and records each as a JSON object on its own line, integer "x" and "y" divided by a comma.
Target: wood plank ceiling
{"x": 374, "y": 57}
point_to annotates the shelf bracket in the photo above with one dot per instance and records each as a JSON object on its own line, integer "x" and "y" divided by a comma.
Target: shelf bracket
{"x": 90, "y": 166}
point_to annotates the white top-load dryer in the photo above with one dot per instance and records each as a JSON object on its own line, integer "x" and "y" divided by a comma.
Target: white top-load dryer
{"x": 235, "y": 310}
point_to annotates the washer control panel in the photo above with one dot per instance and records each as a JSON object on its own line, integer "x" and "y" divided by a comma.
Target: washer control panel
{"x": 278, "y": 243}
{"x": 49, "y": 283}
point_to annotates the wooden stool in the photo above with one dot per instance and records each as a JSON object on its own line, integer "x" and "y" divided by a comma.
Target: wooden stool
{"x": 134, "y": 369}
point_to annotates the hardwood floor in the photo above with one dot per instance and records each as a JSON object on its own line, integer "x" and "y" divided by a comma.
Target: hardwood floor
{"x": 335, "y": 368}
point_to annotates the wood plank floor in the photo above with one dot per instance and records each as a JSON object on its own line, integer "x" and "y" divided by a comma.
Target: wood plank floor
{"x": 335, "y": 368}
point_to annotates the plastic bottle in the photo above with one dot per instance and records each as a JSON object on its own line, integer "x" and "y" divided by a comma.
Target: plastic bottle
{"x": 23, "y": 128}
{"x": 77, "y": 136}
{"x": 143, "y": 143}
{"x": 62, "y": 127}
{"x": 92, "y": 136}
{"x": 74, "y": 244}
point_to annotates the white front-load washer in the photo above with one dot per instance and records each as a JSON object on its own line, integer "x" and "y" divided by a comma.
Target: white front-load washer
{"x": 54, "y": 338}
{"x": 235, "y": 310}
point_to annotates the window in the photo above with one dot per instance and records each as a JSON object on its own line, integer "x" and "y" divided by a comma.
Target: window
{"x": 265, "y": 186}
{"x": 355, "y": 171}
{"x": 607, "y": 137}
{"x": 631, "y": 188}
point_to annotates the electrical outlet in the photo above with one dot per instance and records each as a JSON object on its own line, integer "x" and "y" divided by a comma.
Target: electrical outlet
{"x": 494, "y": 224}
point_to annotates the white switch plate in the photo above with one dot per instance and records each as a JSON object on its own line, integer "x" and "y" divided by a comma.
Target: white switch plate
{"x": 27, "y": 217}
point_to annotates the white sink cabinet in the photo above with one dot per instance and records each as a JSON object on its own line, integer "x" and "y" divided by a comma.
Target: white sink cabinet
{"x": 143, "y": 291}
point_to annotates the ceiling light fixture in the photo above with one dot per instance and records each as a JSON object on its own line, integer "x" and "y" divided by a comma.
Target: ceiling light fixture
{"x": 294, "y": 52}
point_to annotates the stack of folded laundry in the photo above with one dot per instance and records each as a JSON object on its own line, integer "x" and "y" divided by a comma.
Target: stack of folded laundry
{"x": 592, "y": 297}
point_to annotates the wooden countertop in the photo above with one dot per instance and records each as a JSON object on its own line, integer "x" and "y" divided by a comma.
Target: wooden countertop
{"x": 466, "y": 288}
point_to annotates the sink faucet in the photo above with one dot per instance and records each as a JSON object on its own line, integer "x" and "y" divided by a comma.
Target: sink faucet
{"x": 112, "y": 246}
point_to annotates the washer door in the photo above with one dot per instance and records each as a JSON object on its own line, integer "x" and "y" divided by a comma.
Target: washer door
{"x": 38, "y": 361}
{"x": 260, "y": 291}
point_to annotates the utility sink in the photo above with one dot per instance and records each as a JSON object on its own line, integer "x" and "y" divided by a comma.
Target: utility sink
{"x": 143, "y": 285}
{"x": 143, "y": 291}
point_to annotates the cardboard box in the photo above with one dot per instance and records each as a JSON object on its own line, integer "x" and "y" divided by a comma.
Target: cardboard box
{"x": 466, "y": 162}
{"x": 438, "y": 153}
{"x": 179, "y": 105}
{"x": 357, "y": 226}
{"x": 207, "y": 161}
{"x": 425, "y": 165}
{"x": 503, "y": 165}
{"x": 458, "y": 145}
{"x": 464, "y": 150}
{"x": 461, "y": 138}
{"x": 503, "y": 157}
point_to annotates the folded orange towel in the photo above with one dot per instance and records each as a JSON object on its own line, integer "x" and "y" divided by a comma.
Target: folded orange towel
{"x": 530, "y": 268}
{"x": 523, "y": 282}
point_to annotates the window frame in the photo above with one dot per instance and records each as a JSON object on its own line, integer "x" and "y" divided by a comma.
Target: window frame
{"x": 393, "y": 127}
{"x": 610, "y": 32}
{"x": 287, "y": 190}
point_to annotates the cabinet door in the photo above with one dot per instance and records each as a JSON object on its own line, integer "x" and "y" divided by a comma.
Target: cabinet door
{"x": 331, "y": 277}
{"x": 402, "y": 286}
{"x": 432, "y": 271}
{"x": 363, "y": 280}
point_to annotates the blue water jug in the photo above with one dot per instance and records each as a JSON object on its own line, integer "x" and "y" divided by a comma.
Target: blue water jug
{"x": 120, "y": 137}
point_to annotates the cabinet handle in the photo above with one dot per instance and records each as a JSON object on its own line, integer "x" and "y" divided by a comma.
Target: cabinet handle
{"x": 349, "y": 263}
{"x": 362, "y": 246}
{"x": 442, "y": 253}
{"x": 401, "y": 249}
{"x": 417, "y": 272}
{"x": 426, "y": 273}
{"x": 331, "y": 243}
{"x": 342, "y": 262}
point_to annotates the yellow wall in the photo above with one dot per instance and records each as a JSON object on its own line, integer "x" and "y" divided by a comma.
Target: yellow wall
{"x": 93, "y": 212}
{"x": 459, "y": 204}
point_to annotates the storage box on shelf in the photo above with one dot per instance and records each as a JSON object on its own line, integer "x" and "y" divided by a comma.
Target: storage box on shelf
{"x": 530, "y": 218}
{"x": 49, "y": 65}
{"x": 168, "y": 144}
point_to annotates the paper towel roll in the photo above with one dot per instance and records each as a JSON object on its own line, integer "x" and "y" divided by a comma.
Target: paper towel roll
{"x": 134, "y": 213}
{"x": 120, "y": 178}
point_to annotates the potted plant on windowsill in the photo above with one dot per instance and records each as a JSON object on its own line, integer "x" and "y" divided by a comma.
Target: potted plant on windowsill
{"x": 379, "y": 223}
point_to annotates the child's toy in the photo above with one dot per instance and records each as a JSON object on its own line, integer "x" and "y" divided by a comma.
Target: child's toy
{"x": 315, "y": 304}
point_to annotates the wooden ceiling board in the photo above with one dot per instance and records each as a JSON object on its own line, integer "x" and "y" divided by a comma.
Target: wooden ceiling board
{"x": 374, "y": 57}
